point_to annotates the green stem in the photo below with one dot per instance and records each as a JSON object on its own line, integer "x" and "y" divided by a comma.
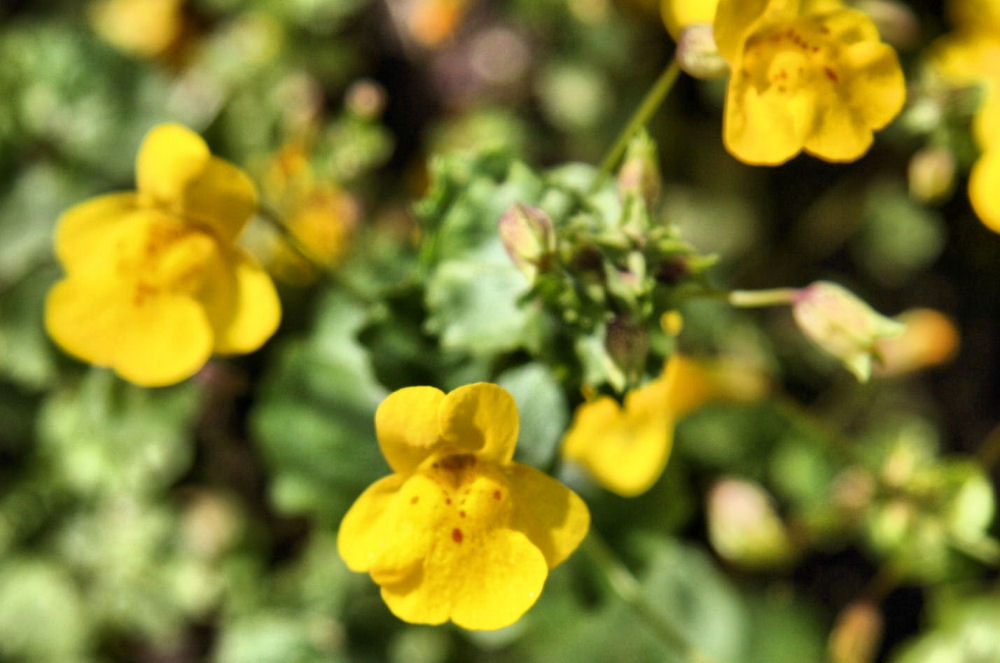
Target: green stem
{"x": 627, "y": 588}
{"x": 650, "y": 103}
{"x": 759, "y": 298}
{"x": 985, "y": 550}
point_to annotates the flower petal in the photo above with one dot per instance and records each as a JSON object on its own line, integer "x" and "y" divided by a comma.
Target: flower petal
{"x": 365, "y": 528}
{"x": 82, "y": 232}
{"x": 153, "y": 340}
{"x": 765, "y": 126}
{"x": 624, "y": 451}
{"x": 840, "y": 133}
{"x": 242, "y": 304}
{"x": 406, "y": 424}
{"x": 480, "y": 419}
{"x": 734, "y": 19}
{"x": 551, "y": 515}
{"x": 875, "y": 86}
{"x": 984, "y": 189}
{"x": 221, "y": 196}
{"x": 170, "y": 157}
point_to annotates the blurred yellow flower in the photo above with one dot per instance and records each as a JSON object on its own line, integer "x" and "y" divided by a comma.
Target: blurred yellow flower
{"x": 144, "y": 28}
{"x": 154, "y": 283}
{"x": 806, "y": 75}
{"x": 320, "y": 215}
{"x": 929, "y": 338}
{"x": 459, "y": 531}
{"x": 971, "y": 56}
{"x": 626, "y": 448}
{"x": 679, "y": 14}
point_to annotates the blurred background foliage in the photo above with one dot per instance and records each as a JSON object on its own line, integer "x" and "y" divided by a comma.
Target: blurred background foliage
{"x": 825, "y": 519}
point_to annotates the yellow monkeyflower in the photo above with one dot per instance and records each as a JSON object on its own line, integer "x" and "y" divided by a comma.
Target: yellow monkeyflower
{"x": 626, "y": 448}
{"x": 459, "y": 531}
{"x": 145, "y": 28}
{"x": 807, "y": 75}
{"x": 154, "y": 283}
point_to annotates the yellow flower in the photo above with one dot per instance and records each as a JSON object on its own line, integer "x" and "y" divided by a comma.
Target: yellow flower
{"x": 459, "y": 531}
{"x": 679, "y": 14}
{"x": 626, "y": 448}
{"x": 145, "y": 28}
{"x": 154, "y": 283}
{"x": 930, "y": 338}
{"x": 806, "y": 75}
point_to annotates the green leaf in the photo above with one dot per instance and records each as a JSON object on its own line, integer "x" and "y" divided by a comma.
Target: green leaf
{"x": 42, "y": 616}
{"x": 543, "y": 412}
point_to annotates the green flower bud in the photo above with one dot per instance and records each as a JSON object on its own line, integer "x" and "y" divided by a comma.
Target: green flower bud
{"x": 743, "y": 526}
{"x": 529, "y": 237}
{"x": 843, "y": 325}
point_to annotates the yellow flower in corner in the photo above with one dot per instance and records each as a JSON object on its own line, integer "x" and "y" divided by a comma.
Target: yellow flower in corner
{"x": 459, "y": 532}
{"x": 679, "y": 14}
{"x": 807, "y": 75}
{"x": 626, "y": 448}
{"x": 154, "y": 283}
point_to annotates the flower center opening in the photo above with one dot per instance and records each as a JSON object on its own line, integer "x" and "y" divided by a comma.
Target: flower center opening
{"x": 793, "y": 56}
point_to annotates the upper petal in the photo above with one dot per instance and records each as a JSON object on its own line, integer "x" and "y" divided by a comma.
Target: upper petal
{"x": 551, "y": 515}
{"x": 735, "y": 20}
{"x": 175, "y": 170}
{"x": 170, "y": 157}
{"x": 222, "y": 197}
{"x": 406, "y": 424}
{"x": 480, "y": 419}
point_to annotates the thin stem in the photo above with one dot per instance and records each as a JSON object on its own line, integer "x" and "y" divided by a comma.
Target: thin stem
{"x": 650, "y": 103}
{"x": 627, "y": 588}
{"x": 985, "y": 550}
{"x": 760, "y": 298}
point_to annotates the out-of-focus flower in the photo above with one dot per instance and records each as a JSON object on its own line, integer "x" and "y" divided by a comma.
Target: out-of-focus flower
{"x": 144, "y": 28}
{"x": 459, "y": 532}
{"x": 807, "y": 75}
{"x": 931, "y": 174}
{"x": 856, "y": 634}
{"x": 680, "y": 14}
{"x": 154, "y": 282}
{"x": 428, "y": 22}
{"x": 625, "y": 448}
{"x": 320, "y": 216}
{"x": 971, "y": 56}
{"x": 843, "y": 325}
{"x": 930, "y": 338}
{"x": 743, "y": 526}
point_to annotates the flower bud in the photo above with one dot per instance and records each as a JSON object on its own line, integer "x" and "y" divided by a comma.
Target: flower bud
{"x": 640, "y": 173}
{"x": 697, "y": 54}
{"x": 743, "y": 526}
{"x": 627, "y": 345}
{"x": 897, "y": 24}
{"x": 843, "y": 325}
{"x": 856, "y": 634}
{"x": 931, "y": 175}
{"x": 529, "y": 237}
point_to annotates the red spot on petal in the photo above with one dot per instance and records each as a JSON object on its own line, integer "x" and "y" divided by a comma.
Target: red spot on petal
{"x": 825, "y": 30}
{"x": 414, "y": 499}
{"x": 831, "y": 74}
{"x": 497, "y": 495}
{"x": 461, "y": 514}
{"x": 447, "y": 500}
{"x": 456, "y": 535}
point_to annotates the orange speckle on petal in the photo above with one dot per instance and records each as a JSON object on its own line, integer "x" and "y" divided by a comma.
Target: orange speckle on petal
{"x": 831, "y": 74}
{"x": 456, "y": 535}
{"x": 497, "y": 495}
